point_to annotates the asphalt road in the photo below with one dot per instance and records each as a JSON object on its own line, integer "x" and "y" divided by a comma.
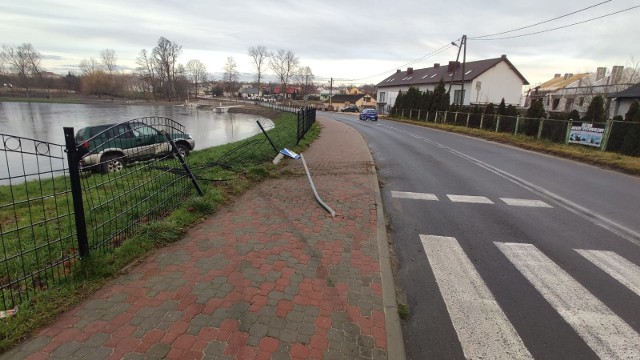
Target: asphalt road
{"x": 505, "y": 253}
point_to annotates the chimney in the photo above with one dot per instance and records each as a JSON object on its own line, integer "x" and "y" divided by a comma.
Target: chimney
{"x": 436, "y": 65}
{"x": 398, "y": 71}
{"x": 566, "y": 76}
{"x": 409, "y": 71}
{"x": 616, "y": 74}
{"x": 453, "y": 65}
{"x": 556, "y": 76}
{"x": 503, "y": 57}
{"x": 600, "y": 73}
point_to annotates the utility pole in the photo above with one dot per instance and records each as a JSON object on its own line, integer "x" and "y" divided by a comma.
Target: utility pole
{"x": 456, "y": 66}
{"x": 330, "y": 93}
{"x": 464, "y": 60}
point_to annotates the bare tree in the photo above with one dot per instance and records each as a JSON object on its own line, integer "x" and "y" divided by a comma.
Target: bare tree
{"x": 165, "y": 58}
{"x": 259, "y": 54}
{"x": 89, "y": 66}
{"x": 231, "y": 74}
{"x": 109, "y": 59}
{"x": 24, "y": 61}
{"x": 147, "y": 72}
{"x": 284, "y": 64}
{"x": 307, "y": 79}
{"x": 196, "y": 72}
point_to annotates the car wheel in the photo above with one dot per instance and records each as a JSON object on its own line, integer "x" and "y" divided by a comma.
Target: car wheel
{"x": 112, "y": 163}
{"x": 183, "y": 149}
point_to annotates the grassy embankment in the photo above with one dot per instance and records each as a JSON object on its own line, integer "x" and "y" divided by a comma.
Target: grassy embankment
{"x": 90, "y": 274}
{"x": 585, "y": 154}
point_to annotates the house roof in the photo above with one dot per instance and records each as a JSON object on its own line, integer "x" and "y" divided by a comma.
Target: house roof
{"x": 290, "y": 90}
{"x": 340, "y": 98}
{"x": 561, "y": 82}
{"x": 433, "y": 74}
{"x": 632, "y": 92}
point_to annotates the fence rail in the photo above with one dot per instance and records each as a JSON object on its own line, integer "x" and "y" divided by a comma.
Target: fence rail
{"x": 615, "y": 134}
{"x": 52, "y": 214}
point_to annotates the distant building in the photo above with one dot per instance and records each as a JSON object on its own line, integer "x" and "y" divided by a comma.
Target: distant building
{"x": 621, "y": 101}
{"x": 340, "y": 101}
{"x": 485, "y": 81}
{"x": 564, "y": 93}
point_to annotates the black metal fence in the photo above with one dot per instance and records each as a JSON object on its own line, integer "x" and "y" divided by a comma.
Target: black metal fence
{"x": 306, "y": 119}
{"x": 306, "y": 116}
{"x": 59, "y": 203}
{"x": 615, "y": 134}
{"x": 37, "y": 231}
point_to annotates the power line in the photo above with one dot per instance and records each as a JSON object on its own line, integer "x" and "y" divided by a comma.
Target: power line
{"x": 560, "y": 27}
{"x": 435, "y": 52}
{"x": 540, "y": 23}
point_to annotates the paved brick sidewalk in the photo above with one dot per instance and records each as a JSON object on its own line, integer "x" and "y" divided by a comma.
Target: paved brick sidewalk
{"x": 272, "y": 276}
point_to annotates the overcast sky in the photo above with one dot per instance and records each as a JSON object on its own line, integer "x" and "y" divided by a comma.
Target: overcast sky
{"x": 355, "y": 41}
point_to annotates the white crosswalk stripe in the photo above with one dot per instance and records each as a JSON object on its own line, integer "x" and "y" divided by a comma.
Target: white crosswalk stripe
{"x": 606, "y": 333}
{"x": 469, "y": 199}
{"x": 482, "y": 327}
{"x": 525, "y": 202}
{"x": 413, "y": 195}
{"x": 616, "y": 266}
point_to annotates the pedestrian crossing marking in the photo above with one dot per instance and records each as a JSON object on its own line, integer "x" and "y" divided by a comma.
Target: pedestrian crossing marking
{"x": 469, "y": 199}
{"x": 482, "y": 327}
{"x": 413, "y": 195}
{"x": 525, "y": 202}
{"x": 616, "y": 266}
{"x": 606, "y": 333}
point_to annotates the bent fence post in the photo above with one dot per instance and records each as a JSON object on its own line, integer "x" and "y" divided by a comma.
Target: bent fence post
{"x": 73, "y": 158}
{"x": 268, "y": 138}
{"x": 176, "y": 152}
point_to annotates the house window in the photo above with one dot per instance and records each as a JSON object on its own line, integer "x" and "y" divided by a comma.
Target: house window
{"x": 556, "y": 102}
{"x": 581, "y": 101}
{"x": 458, "y": 96}
{"x": 382, "y": 97}
{"x": 568, "y": 106}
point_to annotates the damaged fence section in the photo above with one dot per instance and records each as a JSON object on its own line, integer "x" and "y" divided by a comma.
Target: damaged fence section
{"x": 60, "y": 203}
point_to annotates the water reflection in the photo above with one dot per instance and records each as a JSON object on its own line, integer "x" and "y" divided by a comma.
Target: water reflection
{"x": 44, "y": 122}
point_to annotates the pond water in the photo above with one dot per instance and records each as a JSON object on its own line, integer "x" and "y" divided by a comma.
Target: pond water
{"x": 45, "y": 121}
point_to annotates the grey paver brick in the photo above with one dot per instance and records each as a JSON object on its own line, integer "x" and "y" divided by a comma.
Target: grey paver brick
{"x": 215, "y": 348}
{"x": 158, "y": 351}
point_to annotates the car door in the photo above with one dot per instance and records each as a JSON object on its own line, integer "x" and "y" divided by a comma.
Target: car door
{"x": 148, "y": 142}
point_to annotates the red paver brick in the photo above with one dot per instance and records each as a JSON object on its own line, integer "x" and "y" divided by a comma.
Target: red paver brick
{"x": 323, "y": 322}
{"x": 175, "y": 354}
{"x": 247, "y": 352}
{"x": 38, "y": 356}
{"x": 199, "y": 345}
{"x": 122, "y": 319}
{"x": 191, "y": 355}
{"x": 184, "y": 341}
{"x": 153, "y": 336}
{"x": 299, "y": 351}
{"x": 68, "y": 335}
{"x": 208, "y": 334}
{"x": 320, "y": 342}
{"x": 268, "y": 344}
{"x": 380, "y": 336}
{"x": 175, "y": 330}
